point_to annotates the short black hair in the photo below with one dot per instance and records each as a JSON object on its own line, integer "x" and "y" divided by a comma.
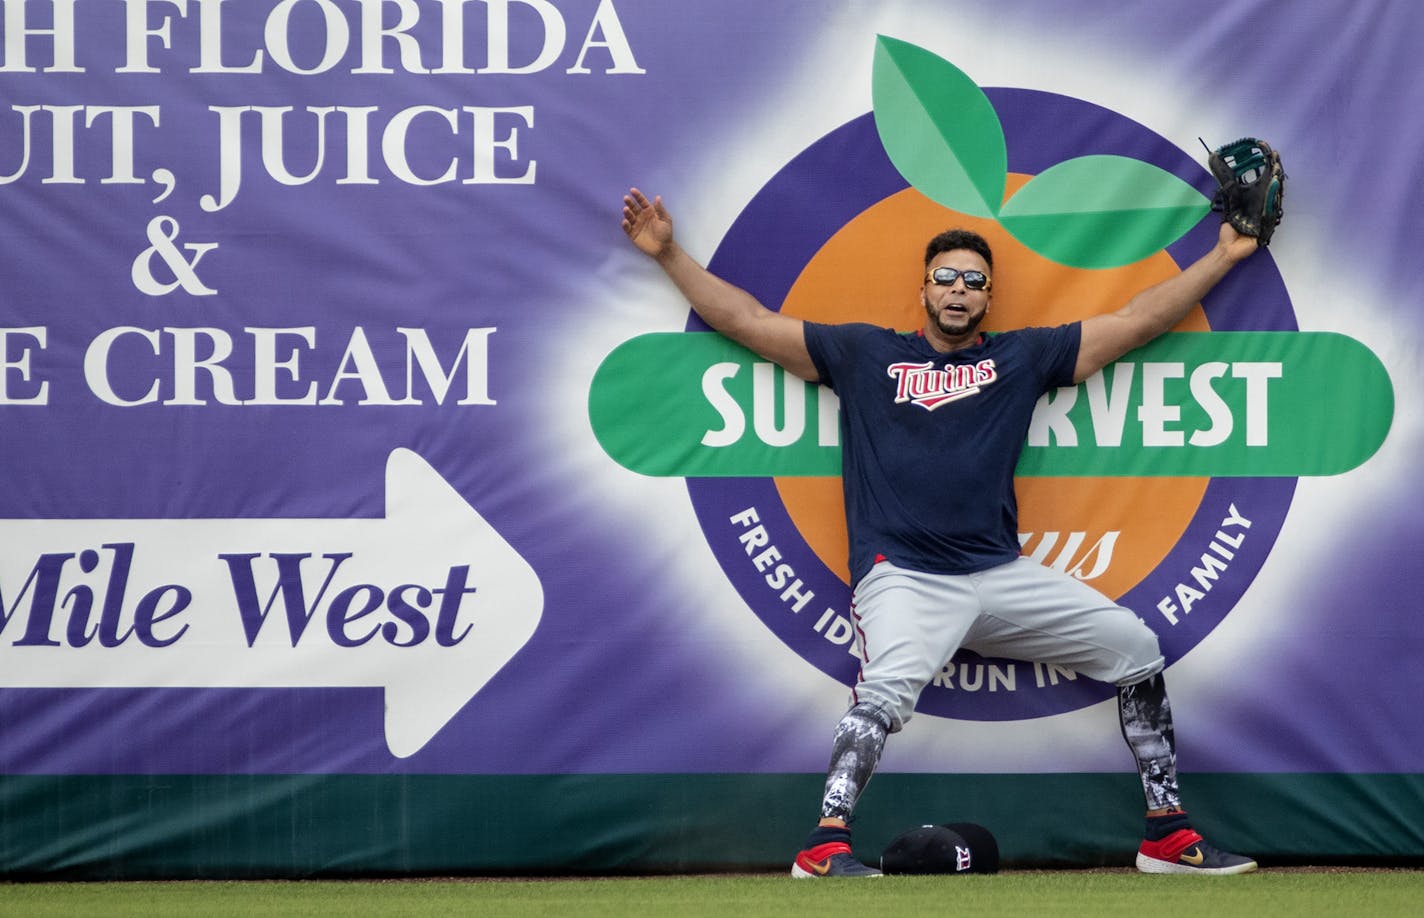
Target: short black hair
{"x": 950, "y": 240}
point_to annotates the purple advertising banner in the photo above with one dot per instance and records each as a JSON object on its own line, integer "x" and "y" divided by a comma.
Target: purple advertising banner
{"x": 310, "y": 323}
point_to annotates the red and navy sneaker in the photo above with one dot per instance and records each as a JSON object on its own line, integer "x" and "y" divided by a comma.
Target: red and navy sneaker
{"x": 833, "y": 859}
{"x": 1184, "y": 851}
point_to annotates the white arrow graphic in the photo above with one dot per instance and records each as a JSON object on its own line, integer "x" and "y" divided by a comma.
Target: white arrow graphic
{"x": 428, "y": 602}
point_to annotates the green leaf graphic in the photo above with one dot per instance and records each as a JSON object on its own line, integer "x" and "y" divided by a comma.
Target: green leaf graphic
{"x": 1102, "y": 211}
{"x": 938, "y": 128}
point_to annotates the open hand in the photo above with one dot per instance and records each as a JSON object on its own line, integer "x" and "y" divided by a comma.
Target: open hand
{"x": 647, "y": 224}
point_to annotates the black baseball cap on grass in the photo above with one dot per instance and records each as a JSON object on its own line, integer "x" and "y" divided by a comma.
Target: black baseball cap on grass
{"x": 955, "y": 847}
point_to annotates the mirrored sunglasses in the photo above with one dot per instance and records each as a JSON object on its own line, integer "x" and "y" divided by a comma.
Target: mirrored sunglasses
{"x": 944, "y": 276}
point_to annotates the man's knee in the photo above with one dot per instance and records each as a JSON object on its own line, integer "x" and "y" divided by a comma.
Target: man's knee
{"x": 1140, "y": 655}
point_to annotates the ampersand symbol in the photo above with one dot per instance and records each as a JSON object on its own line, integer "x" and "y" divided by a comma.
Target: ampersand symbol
{"x": 162, "y": 233}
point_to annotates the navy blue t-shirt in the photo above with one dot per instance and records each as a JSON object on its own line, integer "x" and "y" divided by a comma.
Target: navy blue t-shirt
{"x": 929, "y": 440}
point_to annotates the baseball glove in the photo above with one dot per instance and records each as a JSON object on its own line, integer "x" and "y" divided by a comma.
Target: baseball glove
{"x": 1253, "y": 187}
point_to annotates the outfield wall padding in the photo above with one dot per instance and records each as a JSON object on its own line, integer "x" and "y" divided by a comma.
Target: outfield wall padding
{"x": 125, "y": 827}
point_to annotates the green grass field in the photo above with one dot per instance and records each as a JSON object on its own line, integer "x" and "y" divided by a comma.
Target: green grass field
{"x": 1099, "y": 893}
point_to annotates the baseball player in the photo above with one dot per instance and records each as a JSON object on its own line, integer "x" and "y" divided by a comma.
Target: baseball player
{"x": 928, "y": 467}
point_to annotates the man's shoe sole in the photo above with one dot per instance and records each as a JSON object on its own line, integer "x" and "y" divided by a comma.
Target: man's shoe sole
{"x": 801, "y": 873}
{"x": 1155, "y": 865}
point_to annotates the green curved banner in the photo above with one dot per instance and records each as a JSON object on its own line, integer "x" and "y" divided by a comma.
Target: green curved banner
{"x": 1252, "y": 404}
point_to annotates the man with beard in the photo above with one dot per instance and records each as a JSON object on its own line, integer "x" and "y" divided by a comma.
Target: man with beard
{"x": 932, "y": 425}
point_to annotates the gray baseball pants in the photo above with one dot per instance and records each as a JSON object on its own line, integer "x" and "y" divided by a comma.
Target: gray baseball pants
{"x": 910, "y": 624}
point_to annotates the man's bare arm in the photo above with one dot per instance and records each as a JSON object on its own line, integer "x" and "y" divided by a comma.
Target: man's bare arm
{"x": 1157, "y": 309}
{"x": 726, "y": 307}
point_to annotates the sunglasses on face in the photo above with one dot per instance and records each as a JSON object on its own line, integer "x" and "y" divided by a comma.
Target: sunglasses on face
{"x": 944, "y": 276}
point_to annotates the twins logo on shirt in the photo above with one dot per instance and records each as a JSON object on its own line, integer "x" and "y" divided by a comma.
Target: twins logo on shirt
{"x": 924, "y": 385}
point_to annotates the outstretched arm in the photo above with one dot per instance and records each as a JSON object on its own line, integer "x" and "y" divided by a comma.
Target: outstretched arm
{"x": 1158, "y": 308}
{"x": 727, "y": 308}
